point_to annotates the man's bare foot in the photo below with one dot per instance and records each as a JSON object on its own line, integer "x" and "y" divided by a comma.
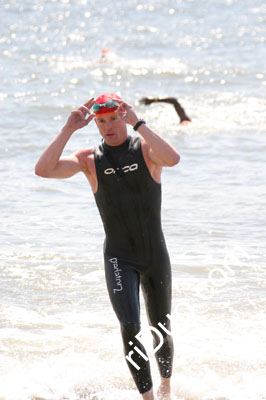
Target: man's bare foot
{"x": 148, "y": 395}
{"x": 164, "y": 391}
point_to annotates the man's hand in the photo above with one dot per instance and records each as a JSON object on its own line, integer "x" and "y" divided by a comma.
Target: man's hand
{"x": 126, "y": 112}
{"x": 80, "y": 117}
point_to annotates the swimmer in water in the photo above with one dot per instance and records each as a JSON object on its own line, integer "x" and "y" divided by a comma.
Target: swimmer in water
{"x": 184, "y": 119}
{"x": 104, "y": 56}
{"x": 108, "y": 57}
{"x": 124, "y": 173}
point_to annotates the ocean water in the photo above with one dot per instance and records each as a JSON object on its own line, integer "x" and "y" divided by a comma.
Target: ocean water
{"x": 59, "y": 338}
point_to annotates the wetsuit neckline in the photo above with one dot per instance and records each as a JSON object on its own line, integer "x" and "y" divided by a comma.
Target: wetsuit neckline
{"x": 118, "y": 148}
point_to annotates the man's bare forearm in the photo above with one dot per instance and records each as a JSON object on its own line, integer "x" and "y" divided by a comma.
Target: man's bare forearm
{"x": 52, "y": 153}
{"x": 163, "y": 150}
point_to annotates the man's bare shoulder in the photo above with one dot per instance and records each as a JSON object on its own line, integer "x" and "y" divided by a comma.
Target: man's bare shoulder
{"x": 83, "y": 153}
{"x": 86, "y": 158}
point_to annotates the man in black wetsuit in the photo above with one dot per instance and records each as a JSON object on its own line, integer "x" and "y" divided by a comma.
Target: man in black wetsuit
{"x": 184, "y": 119}
{"x": 124, "y": 173}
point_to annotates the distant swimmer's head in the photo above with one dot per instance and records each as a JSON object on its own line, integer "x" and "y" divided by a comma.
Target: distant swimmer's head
{"x": 105, "y": 52}
{"x": 105, "y": 104}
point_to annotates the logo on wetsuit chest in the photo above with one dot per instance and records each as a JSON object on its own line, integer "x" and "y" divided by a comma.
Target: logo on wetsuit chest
{"x": 126, "y": 168}
{"x": 118, "y": 277}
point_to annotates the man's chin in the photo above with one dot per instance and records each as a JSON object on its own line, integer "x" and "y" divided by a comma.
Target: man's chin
{"x": 113, "y": 140}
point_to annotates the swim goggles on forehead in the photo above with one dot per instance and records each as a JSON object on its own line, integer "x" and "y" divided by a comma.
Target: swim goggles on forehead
{"x": 108, "y": 104}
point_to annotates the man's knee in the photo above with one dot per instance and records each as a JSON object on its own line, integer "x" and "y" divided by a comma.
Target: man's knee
{"x": 129, "y": 330}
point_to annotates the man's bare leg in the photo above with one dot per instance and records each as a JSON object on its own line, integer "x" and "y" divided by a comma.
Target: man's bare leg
{"x": 164, "y": 391}
{"x": 148, "y": 395}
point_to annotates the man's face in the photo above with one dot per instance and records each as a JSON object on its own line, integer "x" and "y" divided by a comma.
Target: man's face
{"x": 112, "y": 128}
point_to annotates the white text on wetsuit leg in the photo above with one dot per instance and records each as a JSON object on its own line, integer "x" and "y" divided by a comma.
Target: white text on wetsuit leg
{"x": 139, "y": 338}
{"x": 118, "y": 277}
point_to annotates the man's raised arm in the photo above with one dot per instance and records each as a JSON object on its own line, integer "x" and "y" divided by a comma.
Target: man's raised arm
{"x": 160, "y": 151}
{"x": 51, "y": 163}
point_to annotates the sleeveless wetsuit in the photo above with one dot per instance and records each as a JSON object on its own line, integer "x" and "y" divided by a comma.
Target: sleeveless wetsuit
{"x": 129, "y": 202}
